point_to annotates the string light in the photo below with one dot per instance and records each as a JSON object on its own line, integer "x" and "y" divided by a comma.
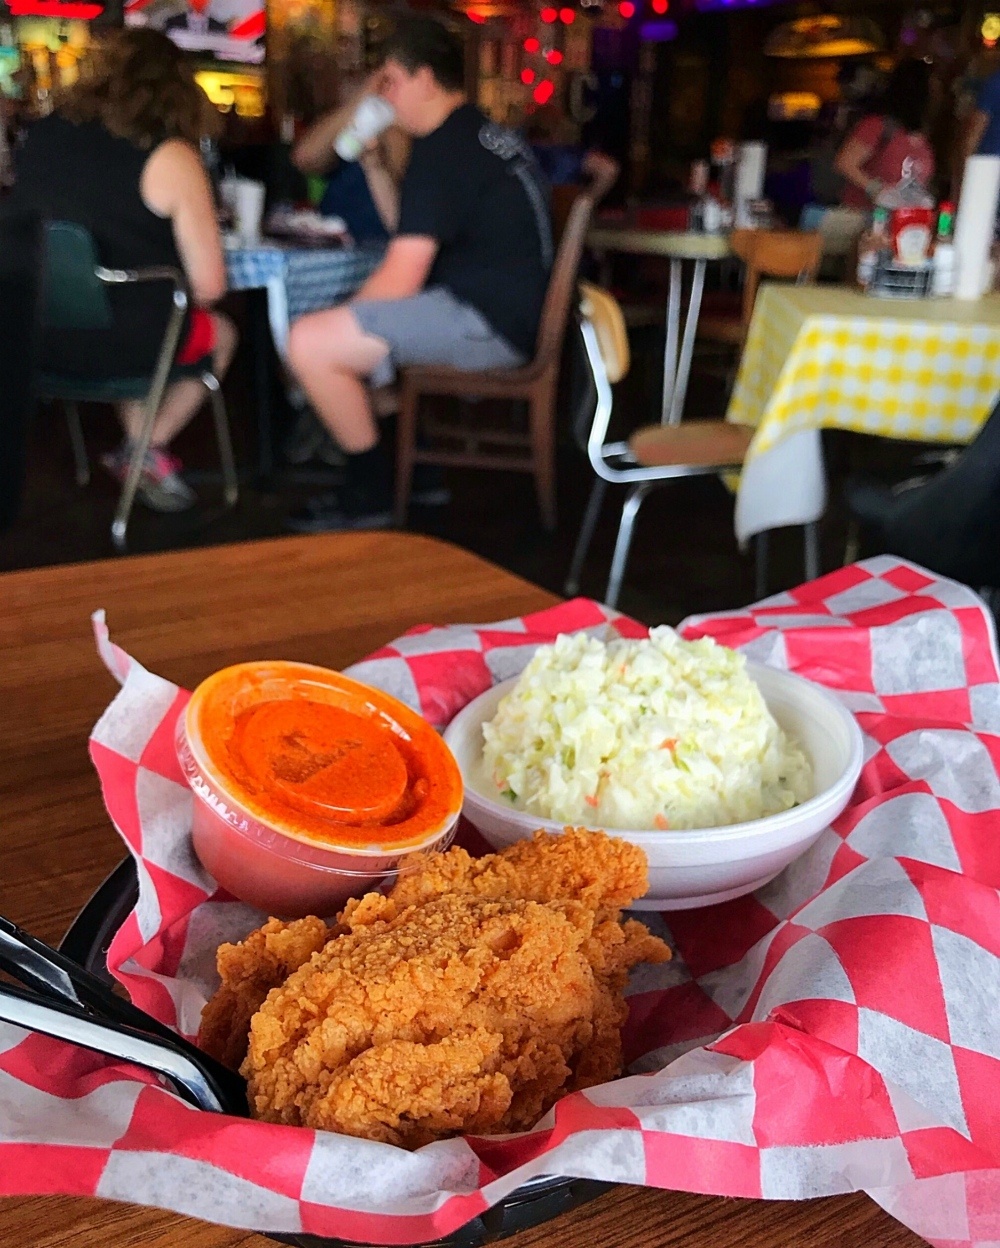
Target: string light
{"x": 626, "y": 9}
{"x": 567, "y": 16}
{"x": 543, "y": 92}
{"x": 527, "y": 76}
{"x": 549, "y": 15}
{"x": 532, "y": 44}
{"x": 554, "y": 56}
{"x": 661, "y": 6}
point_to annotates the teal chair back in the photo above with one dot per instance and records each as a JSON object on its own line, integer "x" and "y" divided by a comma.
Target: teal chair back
{"x": 74, "y": 296}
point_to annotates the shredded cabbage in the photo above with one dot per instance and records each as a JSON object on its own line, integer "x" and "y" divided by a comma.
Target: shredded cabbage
{"x": 659, "y": 733}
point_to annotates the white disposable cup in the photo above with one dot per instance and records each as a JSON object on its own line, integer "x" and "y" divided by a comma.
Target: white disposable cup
{"x": 248, "y": 208}
{"x": 372, "y": 115}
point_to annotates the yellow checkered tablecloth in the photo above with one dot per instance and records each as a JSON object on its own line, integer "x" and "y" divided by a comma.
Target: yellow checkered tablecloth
{"x": 829, "y": 357}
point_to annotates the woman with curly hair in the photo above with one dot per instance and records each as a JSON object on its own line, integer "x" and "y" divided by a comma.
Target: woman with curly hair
{"x": 120, "y": 156}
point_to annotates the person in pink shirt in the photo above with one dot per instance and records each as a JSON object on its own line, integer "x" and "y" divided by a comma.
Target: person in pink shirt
{"x": 874, "y": 153}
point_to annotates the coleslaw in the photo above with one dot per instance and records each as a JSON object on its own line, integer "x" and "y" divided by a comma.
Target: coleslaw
{"x": 658, "y": 733}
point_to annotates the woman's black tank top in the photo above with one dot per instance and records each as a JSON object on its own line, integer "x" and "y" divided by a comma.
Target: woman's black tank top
{"x": 85, "y": 174}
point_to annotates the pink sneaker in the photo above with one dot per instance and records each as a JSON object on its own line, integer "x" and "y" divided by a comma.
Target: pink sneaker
{"x": 160, "y": 486}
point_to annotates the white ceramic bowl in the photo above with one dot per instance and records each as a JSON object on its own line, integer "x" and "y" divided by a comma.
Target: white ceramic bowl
{"x": 701, "y": 866}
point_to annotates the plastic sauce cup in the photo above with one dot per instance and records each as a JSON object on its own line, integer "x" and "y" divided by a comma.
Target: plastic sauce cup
{"x": 310, "y": 787}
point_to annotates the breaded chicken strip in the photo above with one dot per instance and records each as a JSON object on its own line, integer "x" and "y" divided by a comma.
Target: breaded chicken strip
{"x": 249, "y": 971}
{"x": 461, "y": 1014}
{"x": 603, "y": 872}
{"x": 468, "y": 1000}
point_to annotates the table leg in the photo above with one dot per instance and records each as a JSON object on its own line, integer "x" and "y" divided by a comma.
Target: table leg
{"x": 676, "y": 410}
{"x": 260, "y": 342}
{"x": 672, "y": 337}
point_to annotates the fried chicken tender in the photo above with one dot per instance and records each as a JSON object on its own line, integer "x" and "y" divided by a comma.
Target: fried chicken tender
{"x": 468, "y": 1000}
{"x": 601, "y": 871}
{"x": 249, "y": 971}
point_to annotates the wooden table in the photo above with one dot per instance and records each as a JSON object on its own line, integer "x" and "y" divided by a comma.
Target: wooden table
{"x": 327, "y": 600}
{"x": 679, "y": 246}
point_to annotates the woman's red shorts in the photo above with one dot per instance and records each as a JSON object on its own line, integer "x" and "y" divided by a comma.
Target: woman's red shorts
{"x": 200, "y": 340}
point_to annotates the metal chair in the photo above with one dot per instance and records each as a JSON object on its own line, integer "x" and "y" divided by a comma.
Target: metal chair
{"x": 75, "y": 298}
{"x": 653, "y": 454}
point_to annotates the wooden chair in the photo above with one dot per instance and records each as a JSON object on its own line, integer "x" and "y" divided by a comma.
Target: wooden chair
{"x": 602, "y": 172}
{"x": 514, "y": 449}
{"x": 790, "y": 255}
{"x": 653, "y": 454}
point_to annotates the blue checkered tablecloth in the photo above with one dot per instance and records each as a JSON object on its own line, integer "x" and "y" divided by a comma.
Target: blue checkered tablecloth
{"x": 299, "y": 279}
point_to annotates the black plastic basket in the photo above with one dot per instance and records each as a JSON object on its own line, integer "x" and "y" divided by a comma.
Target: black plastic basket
{"x": 531, "y": 1204}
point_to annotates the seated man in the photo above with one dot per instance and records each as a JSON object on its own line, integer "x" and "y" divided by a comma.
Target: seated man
{"x": 462, "y": 283}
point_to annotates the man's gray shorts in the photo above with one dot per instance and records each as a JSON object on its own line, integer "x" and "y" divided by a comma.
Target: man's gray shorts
{"x": 433, "y": 327}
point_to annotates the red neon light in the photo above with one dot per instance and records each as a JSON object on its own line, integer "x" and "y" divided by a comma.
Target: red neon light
{"x": 543, "y": 92}
{"x": 554, "y": 57}
{"x": 78, "y": 9}
{"x": 549, "y": 15}
{"x": 532, "y": 44}
{"x": 527, "y": 76}
{"x": 626, "y": 9}
{"x": 567, "y": 16}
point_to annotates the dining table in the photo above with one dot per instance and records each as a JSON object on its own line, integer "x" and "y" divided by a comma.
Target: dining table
{"x": 286, "y": 278}
{"x": 681, "y": 247}
{"x": 831, "y": 357}
{"x": 322, "y": 599}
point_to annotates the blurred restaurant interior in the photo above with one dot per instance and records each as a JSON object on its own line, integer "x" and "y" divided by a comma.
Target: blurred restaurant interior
{"x": 651, "y": 83}
{"x": 675, "y": 92}
{"x": 418, "y": 335}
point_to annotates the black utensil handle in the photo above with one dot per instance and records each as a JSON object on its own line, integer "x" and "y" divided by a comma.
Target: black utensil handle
{"x": 57, "y": 977}
{"x": 27, "y": 1009}
{"x": 19, "y": 956}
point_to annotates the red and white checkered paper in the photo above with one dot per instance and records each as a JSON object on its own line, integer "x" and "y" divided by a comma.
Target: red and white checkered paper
{"x": 837, "y": 1031}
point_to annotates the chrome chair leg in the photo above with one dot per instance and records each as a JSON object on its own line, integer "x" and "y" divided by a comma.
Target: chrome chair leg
{"x": 119, "y": 525}
{"x": 760, "y": 560}
{"x": 161, "y": 373}
{"x": 687, "y": 344}
{"x": 230, "y": 482}
{"x": 630, "y": 510}
{"x": 81, "y": 464}
{"x": 572, "y": 585}
{"x": 810, "y": 536}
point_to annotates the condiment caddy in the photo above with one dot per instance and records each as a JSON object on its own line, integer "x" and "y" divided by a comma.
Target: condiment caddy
{"x": 908, "y": 252}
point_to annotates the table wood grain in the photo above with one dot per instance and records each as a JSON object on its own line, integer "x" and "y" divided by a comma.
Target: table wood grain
{"x": 327, "y": 600}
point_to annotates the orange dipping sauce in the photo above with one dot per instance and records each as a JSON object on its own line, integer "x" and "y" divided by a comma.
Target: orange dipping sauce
{"x": 303, "y": 772}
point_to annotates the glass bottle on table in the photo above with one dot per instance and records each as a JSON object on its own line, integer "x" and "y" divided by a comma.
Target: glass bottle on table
{"x": 872, "y": 243}
{"x": 943, "y": 260}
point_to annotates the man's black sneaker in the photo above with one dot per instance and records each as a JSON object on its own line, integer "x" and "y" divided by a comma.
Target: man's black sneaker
{"x": 309, "y": 440}
{"x": 341, "y": 510}
{"x": 429, "y": 489}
